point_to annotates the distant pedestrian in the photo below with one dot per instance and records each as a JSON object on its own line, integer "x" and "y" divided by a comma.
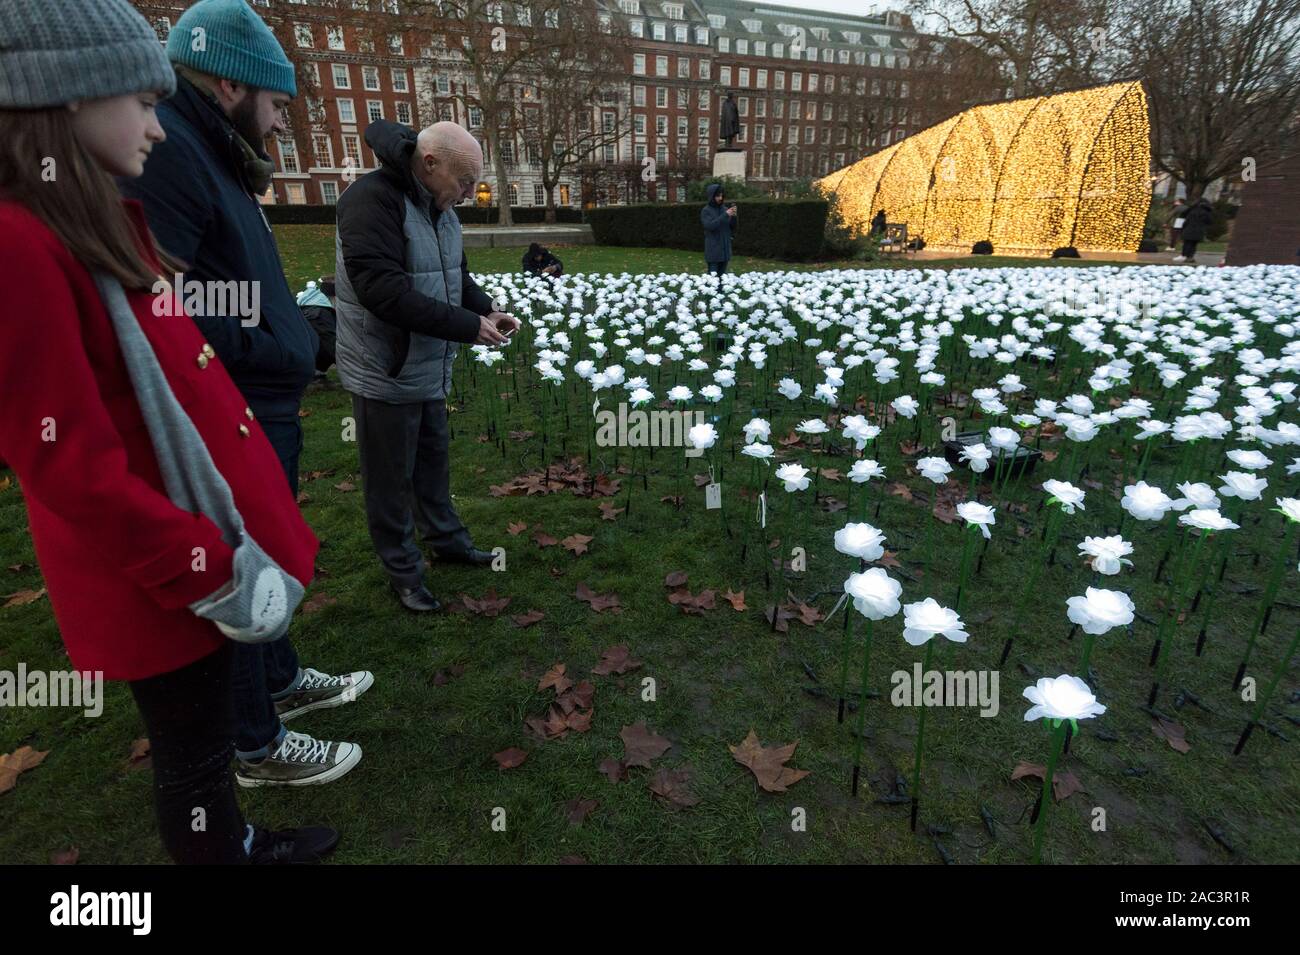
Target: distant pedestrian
{"x": 1196, "y": 223}
{"x": 719, "y": 221}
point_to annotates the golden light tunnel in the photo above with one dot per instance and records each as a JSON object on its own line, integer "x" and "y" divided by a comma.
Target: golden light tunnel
{"x": 1028, "y": 175}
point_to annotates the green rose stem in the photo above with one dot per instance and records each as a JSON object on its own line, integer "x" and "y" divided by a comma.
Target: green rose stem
{"x": 862, "y": 703}
{"x": 844, "y": 657}
{"x": 1281, "y": 558}
{"x": 1258, "y": 711}
{"x": 920, "y": 736}
{"x": 1171, "y": 622}
{"x": 1045, "y": 800}
{"x": 965, "y": 565}
{"x": 1051, "y": 530}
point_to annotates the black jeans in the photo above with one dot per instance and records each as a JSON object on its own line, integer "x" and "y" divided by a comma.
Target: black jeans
{"x": 718, "y": 268}
{"x": 406, "y": 483}
{"x": 264, "y": 671}
{"x": 189, "y": 717}
{"x": 1189, "y": 248}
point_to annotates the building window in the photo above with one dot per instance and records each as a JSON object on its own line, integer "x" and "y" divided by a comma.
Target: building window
{"x": 661, "y": 97}
{"x": 329, "y": 193}
{"x": 302, "y": 35}
{"x": 638, "y": 64}
{"x": 744, "y": 76}
{"x": 638, "y": 152}
{"x": 681, "y": 34}
{"x": 661, "y": 156}
{"x": 346, "y": 112}
{"x": 779, "y": 78}
{"x": 564, "y": 193}
{"x": 404, "y": 112}
{"x": 702, "y": 129}
{"x": 683, "y": 98}
{"x": 760, "y": 134}
{"x": 683, "y": 127}
{"x": 812, "y": 82}
{"x": 508, "y": 154}
{"x": 638, "y": 96}
{"x": 323, "y": 149}
{"x": 163, "y": 27}
{"x": 661, "y": 66}
{"x": 395, "y": 44}
{"x": 673, "y": 11}
{"x": 704, "y": 99}
{"x": 778, "y": 108}
{"x": 706, "y": 69}
{"x": 683, "y": 68}
{"x": 661, "y": 126}
{"x": 351, "y": 151}
{"x": 762, "y": 79}
{"x": 342, "y": 80}
{"x": 760, "y": 107}
{"x": 796, "y": 82}
{"x": 724, "y": 75}
{"x": 701, "y": 35}
{"x": 638, "y": 124}
{"x": 609, "y": 154}
{"x": 742, "y": 47}
{"x": 637, "y": 28}
{"x": 514, "y": 193}
{"x": 724, "y": 44}
{"x": 444, "y": 84}
{"x": 370, "y": 77}
{"x": 607, "y": 122}
{"x": 335, "y": 37}
{"x": 660, "y": 31}
{"x": 902, "y": 90}
{"x": 399, "y": 81}
{"x": 539, "y": 194}
{"x": 475, "y": 116}
{"x": 760, "y": 48}
{"x": 744, "y": 106}
{"x": 295, "y": 194}
{"x": 288, "y": 156}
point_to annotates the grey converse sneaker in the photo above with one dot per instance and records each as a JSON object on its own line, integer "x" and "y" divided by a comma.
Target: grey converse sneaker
{"x": 320, "y": 691}
{"x": 300, "y": 760}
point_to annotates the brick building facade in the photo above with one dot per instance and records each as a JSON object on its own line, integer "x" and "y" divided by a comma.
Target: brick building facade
{"x": 814, "y": 91}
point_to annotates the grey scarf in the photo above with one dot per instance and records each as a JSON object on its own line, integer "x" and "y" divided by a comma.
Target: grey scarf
{"x": 258, "y": 603}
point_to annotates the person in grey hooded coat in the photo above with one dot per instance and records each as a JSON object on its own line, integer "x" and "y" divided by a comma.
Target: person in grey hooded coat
{"x": 719, "y": 221}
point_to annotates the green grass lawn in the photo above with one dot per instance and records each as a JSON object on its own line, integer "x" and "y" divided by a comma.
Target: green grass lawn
{"x": 453, "y": 689}
{"x": 308, "y": 252}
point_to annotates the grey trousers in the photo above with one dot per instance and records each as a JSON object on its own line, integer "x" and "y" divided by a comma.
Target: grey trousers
{"x": 406, "y": 483}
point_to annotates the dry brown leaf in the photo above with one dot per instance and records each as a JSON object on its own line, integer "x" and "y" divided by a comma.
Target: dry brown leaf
{"x": 22, "y": 597}
{"x": 1175, "y": 734}
{"x": 510, "y": 758}
{"x": 641, "y": 745}
{"x": 555, "y": 679}
{"x": 577, "y": 543}
{"x": 13, "y": 765}
{"x": 515, "y": 528}
{"x": 736, "y": 599}
{"x": 608, "y": 512}
{"x": 767, "y": 763}
{"x": 672, "y": 786}
{"x": 1064, "y": 782}
{"x": 345, "y": 486}
{"x": 576, "y": 810}
{"x": 616, "y": 659}
{"x": 615, "y": 770}
{"x": 522, "y": 620}
{"x": 677, "y": 578}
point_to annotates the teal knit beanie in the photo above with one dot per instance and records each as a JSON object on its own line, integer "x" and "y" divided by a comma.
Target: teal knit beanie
{"x": 226, "y": 39}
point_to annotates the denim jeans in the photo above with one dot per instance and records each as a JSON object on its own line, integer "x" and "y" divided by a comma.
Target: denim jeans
{"x": 189, "y": 720}
{"x": 718, "y": 268}
{"x": 265, "y": 672}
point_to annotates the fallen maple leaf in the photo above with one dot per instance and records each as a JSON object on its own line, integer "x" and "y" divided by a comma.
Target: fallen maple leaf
{"x": 674, "y": 499}
{"x": 909, "y": 448}
{"x": 641, "y": 745}
{"x": 22, "y": 597}
{"x": 889, "y": 559}
{"x": 576, "y": 810}
{"x": 598, "y": 602}
{"x": 544, "y": 540}
{"x": 490, "y": 605}
{"x": 555, "y": 678}
{"x": 1064, "y": 782}
{"x": 520, "y": 435}
{"x": 345, "y": 486}
{"x": 609, "y": 512}
{"x": 767, "y": 763}
{"x": 13, "y": 765}
{"x": 736, "y": 599}
{"x": 510, "y": 758}
{"x": 303, "y": 497}
{"x": 616, "y": 659}
{"x": 316, "y": 601}
{"x": 833, "y": 504}
{"x": 671, "y": 785}
{"x": 522, "y": 620}
{"x": 807, "y": 615}
{"x": 901, "y": 490}
{"x": 783, "y": 616}
{"x": 139, "y": 757}
{"x": 677, "y": 578}
{"x": 944, "y": 512}
{"x": 515, "y": 528}
{"x": 702, "y": 479}
{"x": 829, "y": 474}
{"x": 577, "y": 543}
{"x": 1172, "y": 733}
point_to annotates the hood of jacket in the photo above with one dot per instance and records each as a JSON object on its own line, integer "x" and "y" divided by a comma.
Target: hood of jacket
{"x": 392, "y": 143}
{"x": 711, "y": 192}
{"x": 314, "y": 297}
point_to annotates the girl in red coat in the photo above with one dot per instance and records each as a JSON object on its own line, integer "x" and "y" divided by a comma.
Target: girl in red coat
{"x": 143, "y": 590}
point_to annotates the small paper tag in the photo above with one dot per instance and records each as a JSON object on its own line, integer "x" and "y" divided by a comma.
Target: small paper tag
{"x": 712, "y": 496}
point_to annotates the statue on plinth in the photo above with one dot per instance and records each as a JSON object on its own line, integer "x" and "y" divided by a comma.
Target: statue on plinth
{"x": 730, "y": 127}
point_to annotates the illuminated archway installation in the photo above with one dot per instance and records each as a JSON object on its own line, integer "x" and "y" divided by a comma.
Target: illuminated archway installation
{"x": 1029, "y": 175}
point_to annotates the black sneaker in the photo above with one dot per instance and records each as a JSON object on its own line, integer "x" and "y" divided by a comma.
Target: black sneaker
{"x": 417, "y": 599}
{"x": 302, "y": 846}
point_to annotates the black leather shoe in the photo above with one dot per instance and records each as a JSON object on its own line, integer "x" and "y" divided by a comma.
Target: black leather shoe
{"x": 302, "y": 846}
{"x": 473, "y": 556}
{"x": 417, "y": 598}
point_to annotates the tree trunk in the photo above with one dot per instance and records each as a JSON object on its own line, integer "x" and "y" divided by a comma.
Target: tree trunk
{"x": 503, "y": 187}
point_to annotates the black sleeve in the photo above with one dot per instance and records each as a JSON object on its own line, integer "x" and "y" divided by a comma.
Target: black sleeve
{"x": 370, "y": 233}
{"x": 471, "y": 296}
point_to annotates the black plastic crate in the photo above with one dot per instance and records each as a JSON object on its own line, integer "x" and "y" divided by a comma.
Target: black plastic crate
{"x": 1023, "y": 461}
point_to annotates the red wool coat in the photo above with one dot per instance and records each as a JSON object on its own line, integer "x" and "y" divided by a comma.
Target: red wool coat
{"x": 117, "y": 555}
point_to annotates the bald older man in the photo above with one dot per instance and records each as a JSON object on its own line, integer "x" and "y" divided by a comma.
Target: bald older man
{"x": 405, "y": 299}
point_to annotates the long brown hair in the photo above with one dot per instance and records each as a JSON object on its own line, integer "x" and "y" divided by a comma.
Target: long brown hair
{"x": 76, "y": 197}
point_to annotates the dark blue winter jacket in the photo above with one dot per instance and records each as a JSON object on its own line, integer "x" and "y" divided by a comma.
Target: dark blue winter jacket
{"x": 201, "y": 211}
{"x": 718, "y": 227}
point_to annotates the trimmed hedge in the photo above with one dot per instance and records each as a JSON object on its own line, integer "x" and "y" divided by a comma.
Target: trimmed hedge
{"x": 792, "y": 230}
{"x": 468, "y": 215}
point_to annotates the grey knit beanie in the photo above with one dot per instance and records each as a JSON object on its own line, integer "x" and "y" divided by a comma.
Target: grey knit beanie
{"x": 55, "y": 51}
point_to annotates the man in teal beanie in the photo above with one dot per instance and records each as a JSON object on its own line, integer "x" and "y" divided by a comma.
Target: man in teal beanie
{"x": 200, "y": 191}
